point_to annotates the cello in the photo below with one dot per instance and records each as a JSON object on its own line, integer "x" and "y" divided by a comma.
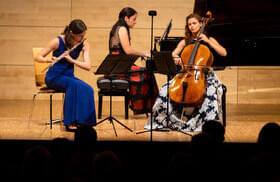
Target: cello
{"x": 189, "y": 86}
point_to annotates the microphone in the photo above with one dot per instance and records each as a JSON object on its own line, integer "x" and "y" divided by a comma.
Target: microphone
{"x": 152, "y": 13}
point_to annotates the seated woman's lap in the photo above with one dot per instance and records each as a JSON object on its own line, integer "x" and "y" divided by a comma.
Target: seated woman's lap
{"x": 62, "y": 83}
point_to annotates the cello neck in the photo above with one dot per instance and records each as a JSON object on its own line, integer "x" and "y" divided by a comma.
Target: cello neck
{"x": 192, "y": 57}
{"x": 196, "y": 45}
{"x": 197, "y": 42}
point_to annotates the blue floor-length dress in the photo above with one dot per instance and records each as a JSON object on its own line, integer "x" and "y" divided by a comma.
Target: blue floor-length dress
{"x": 79, "y": 104}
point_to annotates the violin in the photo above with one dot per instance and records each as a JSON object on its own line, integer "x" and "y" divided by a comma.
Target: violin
{"x": 189, "y": 86}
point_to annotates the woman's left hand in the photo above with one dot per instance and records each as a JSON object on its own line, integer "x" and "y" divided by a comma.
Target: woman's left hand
{"x": 68, "y": 57}
{"x": 204, "y": 38}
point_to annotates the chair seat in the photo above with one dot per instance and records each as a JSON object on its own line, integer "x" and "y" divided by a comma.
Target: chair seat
{"x": 113, "y": 92}
{"x": 114, "y": 87}
{"x": 49, "y": 90}
{"x": 117, "y": 84}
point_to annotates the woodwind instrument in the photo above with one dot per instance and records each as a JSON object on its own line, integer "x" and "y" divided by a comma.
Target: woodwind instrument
{"x": 61, "y": 56}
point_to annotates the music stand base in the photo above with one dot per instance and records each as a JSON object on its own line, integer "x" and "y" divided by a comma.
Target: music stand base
{"x": 164, "y": 129}
{"x": 112, "y": 119}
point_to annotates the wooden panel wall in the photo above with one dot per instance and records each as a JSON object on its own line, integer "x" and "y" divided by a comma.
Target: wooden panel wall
{"x": 27, "y": 24}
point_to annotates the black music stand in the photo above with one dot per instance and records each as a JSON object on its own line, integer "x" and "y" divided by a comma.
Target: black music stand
{"x": 164, "y": 64}
{"x": 115, "y": 64}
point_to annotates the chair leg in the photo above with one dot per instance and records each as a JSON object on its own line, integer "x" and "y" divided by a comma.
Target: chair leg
{"x": 100, "y": 100}
{"x": 224, "y": 105}
{"x": 52, "y": 121}
{"x": 126, "y": 102}
{"x": 32, "y": 108}
{"x": 50, "y": 111}
{"x": 62, "y": 113}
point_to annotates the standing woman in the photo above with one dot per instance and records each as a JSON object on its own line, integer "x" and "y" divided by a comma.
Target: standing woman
{"x": 141, "y": 100}
{"x": 79, "y": 107}
{"x": 191, "y": 119}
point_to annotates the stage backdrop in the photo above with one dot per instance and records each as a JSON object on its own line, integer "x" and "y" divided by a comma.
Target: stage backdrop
{"x": 32, "y": 23}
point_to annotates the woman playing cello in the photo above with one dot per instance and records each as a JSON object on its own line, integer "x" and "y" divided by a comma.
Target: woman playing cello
{"x": 190, "y": 118}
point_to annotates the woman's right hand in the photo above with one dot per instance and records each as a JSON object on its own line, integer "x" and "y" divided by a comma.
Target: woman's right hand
{"x": 177, "y": 60}
{"x": 147, "y": 54}
{"x": 51, "y": 60}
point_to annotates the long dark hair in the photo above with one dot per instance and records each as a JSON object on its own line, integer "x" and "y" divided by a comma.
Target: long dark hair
{"x": 188, "y": 34}
{"x": 121, "y": 22}
{"x": 77, "y": 26}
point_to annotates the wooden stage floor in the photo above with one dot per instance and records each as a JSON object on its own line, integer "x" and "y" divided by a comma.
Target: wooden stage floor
{"x": 243, "y": 123}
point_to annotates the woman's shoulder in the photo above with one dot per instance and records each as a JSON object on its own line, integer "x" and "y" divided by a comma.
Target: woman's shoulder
{"x": 212, "y": 39}
{"x": 182, "y": 43}
{"x": 61, "y": 38}
{"x": 54, "y": 43}
{"x": 122, "y": 30}
{"x": 85, "y": 45}
{"x": 121, "y": 27}
{"x": 57, "y": 40}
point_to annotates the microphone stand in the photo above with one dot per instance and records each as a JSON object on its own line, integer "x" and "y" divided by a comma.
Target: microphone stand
{"x": 152, "y": 13}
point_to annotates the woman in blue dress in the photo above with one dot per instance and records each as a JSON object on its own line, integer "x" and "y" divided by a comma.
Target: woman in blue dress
{"x": 190, "y": 118}
{"x": 79, "y": 106}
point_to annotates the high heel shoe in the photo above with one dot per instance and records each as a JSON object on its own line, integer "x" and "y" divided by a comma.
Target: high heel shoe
{"x": 71, "y": 128}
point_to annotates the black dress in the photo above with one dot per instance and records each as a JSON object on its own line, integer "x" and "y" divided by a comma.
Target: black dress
{"x": 143, "y": 86}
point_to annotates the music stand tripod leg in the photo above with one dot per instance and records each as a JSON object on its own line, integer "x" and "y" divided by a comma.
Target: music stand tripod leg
{"x": 167, "y": 128}
{"x": 151, "y": 119}
{"x": 110, "y": 117}
{"x": 122, "y": 124}
{"x": 111, "y": 121}
{"x": 101, "y": 121}
{"x": 112, "y": 65}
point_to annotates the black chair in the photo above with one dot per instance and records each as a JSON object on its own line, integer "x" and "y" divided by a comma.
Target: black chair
{"x": 224, "y": 104}
{"x": 119, "y": 88}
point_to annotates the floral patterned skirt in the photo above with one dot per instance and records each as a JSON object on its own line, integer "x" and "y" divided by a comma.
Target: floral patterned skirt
{"x": 180, "y": 118}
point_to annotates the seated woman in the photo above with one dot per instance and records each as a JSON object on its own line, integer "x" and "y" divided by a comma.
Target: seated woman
{"x": 190, "y": 118}
{"x": 141, "y": 80}
{"x": 79, "y": 107}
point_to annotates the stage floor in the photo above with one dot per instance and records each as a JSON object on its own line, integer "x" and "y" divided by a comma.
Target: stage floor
{"x": 243, "y": 123}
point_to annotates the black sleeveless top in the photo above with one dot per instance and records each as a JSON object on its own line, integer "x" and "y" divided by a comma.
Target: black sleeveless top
{"x": 115, "y": 46}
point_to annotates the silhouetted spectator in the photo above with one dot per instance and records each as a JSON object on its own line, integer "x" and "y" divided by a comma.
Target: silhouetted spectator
{"x": 61, "y": 152}
{"x": 107, "y": 166}
{"x": 208, "y": 156}
{"x": 179, "y": 164}
{"x": 81, "y": 162}
{"x": 85, "y": 137}
{"x": 37, "y": 164}
{"x": 262, "y": 166}
{"x": 269, "y": 136}
{"x": 215, "y": 130}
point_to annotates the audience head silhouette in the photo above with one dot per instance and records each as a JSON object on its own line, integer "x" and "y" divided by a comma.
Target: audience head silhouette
{"x": 37, "y": 164}
{"x": 214, "y": 130}
{"x": 269, "y": 136}
{"x": 85, "y": 137}
{"x": 106, "y": 165}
